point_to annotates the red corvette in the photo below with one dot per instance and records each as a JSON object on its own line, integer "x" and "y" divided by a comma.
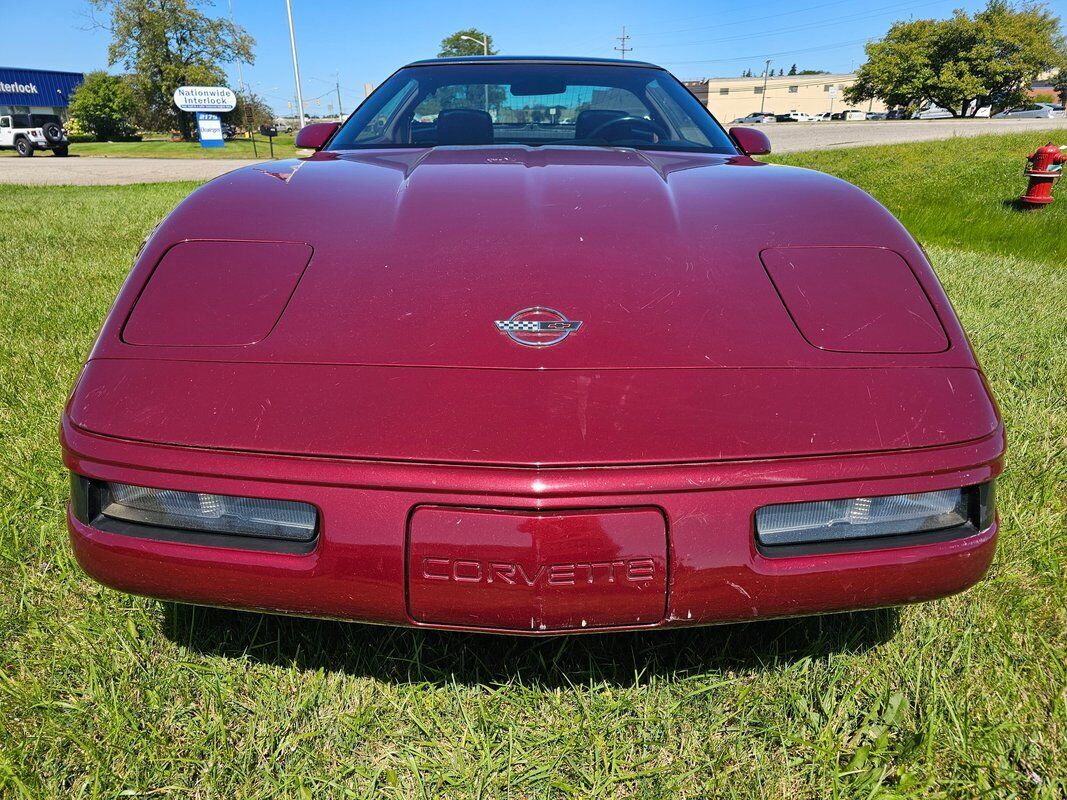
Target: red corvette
{"x": 532, "y": 345}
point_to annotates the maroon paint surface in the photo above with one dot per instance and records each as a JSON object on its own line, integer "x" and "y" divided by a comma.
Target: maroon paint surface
{"x": 855, "y": 299}
{"x": 212, "y": 293}
{"x": 541, "y": 571}
{"x": 384, "y": 385}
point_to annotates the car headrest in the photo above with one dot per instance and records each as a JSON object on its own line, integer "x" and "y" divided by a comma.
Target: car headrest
{"x": 464, "y": 126}
{"x": 588, "y": 121}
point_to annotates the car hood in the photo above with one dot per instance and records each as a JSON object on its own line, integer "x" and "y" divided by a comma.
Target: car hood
{"x": 416, "y": 254}
{"x": 345, "y": 306}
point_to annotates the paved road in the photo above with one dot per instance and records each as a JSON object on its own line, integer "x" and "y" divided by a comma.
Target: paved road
{"x": 48, "y": 170}
{"x": 786, "y": 137}
{"x": 789, "y": 137}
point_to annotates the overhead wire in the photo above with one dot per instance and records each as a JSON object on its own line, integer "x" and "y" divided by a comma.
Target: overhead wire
{"x": 803, "y": 27}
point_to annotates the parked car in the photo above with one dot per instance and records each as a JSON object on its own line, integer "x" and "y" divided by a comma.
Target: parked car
{"x": 825, "y": 116}
{"x": 755, "y": 118}
{"x": 932, "y": 112}
{"x": 896, "y": 113}
{"x": 740, "y": 393}
{"x": 1031, "y": 111}
{"x": 794, "y": 116}
{"x": 876, "y": 115}
{"x": 937, "y": 112}
{"x": 27, "y": 133}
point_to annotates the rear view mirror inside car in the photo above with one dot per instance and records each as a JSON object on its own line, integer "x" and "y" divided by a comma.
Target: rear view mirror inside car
{"x": 532, "y": 87}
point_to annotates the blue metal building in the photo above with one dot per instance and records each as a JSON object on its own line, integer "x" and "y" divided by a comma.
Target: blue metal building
{"x": 36, "y": 91}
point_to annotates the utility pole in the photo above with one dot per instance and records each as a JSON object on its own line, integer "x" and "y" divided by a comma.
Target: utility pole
{"x": 337, "y": 86}
{"x": 622, "y": 42}
{"x": 296, "y": 64}
{"x": 763, "y": 97}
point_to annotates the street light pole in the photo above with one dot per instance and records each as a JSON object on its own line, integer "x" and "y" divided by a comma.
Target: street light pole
{"x": 762, "y": 99}
{"x": 233, "y": 31}
{"x": 484, "y": 42}
{"x": 296, "y": 64}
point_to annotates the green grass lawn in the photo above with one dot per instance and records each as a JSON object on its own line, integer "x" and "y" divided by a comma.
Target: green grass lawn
{"x": 958, "y": 193}
{"x": 164, "y": 148}
{"x": 105, "y": 695}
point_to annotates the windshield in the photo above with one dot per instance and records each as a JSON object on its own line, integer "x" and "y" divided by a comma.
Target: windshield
{"x": 534, "y": 105}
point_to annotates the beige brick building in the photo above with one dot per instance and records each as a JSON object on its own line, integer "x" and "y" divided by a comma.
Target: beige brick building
{"x": 730, "y": 98}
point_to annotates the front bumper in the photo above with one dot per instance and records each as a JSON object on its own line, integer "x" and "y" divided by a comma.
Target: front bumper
{"x": 358, "y": 567}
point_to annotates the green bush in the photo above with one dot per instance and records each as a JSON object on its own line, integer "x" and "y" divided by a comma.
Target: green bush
{"x": 104, "y": 105}
{"x": 76, "y": 132}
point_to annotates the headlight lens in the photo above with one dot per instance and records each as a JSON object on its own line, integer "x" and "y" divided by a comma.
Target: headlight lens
{"x": 863, "y": 517}
{"x": 210, "y": 513}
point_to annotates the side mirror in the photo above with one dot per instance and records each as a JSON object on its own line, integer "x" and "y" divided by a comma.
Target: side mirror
{"x": 315, "y": 136}
{"x": 751, "y": 141}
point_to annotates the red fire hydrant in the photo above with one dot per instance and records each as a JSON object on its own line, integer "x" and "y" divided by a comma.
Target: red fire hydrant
{"x": 1045, "y": 166}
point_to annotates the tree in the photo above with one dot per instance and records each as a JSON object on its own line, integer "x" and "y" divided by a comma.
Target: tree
{"x": 962, "y": 63}
{"x": 250, "y": 112}
{"x": 475, "y": 95}
{"x": 1059, "y": 84}
{"x": 781, "y": 72}
{"x": 104, "y": 106}
{"x": 793, "y": 70}
{"x": 165, "y": 44}
{"x": 456, "y": 45}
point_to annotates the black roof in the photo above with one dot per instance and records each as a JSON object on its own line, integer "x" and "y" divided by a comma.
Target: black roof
{"x": 617, "y": 62}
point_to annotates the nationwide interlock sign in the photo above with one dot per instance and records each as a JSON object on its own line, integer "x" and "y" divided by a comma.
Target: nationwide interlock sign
{"x": 210, "y": 99}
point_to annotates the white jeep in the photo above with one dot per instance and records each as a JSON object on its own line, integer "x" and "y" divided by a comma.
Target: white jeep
{"x": 26, "y": 133}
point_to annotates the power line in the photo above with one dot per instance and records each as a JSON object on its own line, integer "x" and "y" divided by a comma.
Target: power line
{"x": 722, "y": 22}
{"x": 741, "y": 20}
{"x": 804, "y": 26}
{"x": 748, "y": 20}
{"x": 761, "y": 56}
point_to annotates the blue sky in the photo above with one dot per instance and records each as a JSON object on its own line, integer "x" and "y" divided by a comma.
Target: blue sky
{"x": 365, "y": 42}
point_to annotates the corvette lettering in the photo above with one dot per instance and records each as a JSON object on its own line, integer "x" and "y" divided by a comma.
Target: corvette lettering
{"x": 511, "y": 573}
